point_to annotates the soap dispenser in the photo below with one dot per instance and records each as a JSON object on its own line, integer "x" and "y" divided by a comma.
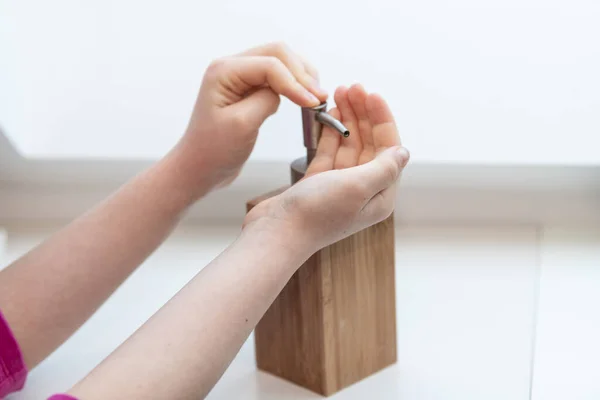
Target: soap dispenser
{"x": 334, "y": 323}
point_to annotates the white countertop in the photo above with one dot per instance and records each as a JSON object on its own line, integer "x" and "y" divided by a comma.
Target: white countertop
{"x": 473, "y": 302}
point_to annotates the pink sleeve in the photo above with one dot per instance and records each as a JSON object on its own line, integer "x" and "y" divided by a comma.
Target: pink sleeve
{"x": 12, "y": 367}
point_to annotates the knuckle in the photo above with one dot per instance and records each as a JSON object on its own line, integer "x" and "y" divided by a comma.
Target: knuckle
{"x": 239, "y": 121}
{"x": 279, "y": 48}
{"x": 313, "y": 73}
{"x": 276, "y": 103}
{"x": 274, "y": 63}
{"x": 216, "y": 64}
{"x": 216, "y": 67}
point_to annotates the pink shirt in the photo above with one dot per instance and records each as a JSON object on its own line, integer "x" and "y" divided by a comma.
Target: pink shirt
{"x": 12, "y": 367}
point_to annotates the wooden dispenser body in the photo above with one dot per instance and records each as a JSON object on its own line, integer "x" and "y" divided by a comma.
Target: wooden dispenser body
{"x": 334, "y": 323}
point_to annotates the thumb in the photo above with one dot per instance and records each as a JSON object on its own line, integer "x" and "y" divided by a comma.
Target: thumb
{"x": 383, "y": 171}
{"x": 254, "y": 109}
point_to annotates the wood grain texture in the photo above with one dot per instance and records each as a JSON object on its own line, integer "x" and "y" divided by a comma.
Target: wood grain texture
{"x": 334, "y": 323}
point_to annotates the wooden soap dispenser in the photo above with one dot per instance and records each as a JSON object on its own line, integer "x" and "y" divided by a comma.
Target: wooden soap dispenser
{"x": 334, "y": 323}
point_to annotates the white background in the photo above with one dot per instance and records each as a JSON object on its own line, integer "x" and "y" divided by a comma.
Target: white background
{"x": 470, "y": 81}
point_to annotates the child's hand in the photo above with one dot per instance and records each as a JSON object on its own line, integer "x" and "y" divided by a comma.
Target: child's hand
{"x": 351, "y": 183}
{"x": 238, "y": 93}
{"x": 372, "y": 130}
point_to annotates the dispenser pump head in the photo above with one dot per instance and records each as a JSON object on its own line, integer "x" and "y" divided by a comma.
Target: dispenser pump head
{"x": 313, "y": 120}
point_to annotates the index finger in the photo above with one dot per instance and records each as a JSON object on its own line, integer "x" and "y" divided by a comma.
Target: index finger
{"x": 255, "y": 71}
{"x": 304, "y": 73}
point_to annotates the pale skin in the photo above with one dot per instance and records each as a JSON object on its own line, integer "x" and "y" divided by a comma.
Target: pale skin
{"x": 350, "y": 185}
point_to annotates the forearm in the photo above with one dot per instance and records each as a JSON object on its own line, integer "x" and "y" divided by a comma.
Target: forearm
{"x": 183, "y": 350}
{"x": 48, "y": 293}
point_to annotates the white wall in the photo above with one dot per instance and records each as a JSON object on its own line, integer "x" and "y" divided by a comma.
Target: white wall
{"x": 500, "y": 81}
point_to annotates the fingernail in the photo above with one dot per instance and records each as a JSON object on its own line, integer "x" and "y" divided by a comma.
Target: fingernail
{"x": 311, "y": 97}
{"x": 316, "y": 88}
{"x": 320, "y": 91}
{"x": 404, "y": 156}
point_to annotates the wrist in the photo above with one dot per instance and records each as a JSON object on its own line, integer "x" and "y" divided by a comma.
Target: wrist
{"x": 279, "y": 236}
{"x": 187, "y": 172}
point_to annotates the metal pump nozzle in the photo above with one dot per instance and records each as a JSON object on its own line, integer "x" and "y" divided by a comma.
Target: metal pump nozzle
{"x": 313, "y": 120}
{"x": 327, "y": 119}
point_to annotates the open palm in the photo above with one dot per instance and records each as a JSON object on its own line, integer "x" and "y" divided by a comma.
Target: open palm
{"x": 372, "y": 130}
